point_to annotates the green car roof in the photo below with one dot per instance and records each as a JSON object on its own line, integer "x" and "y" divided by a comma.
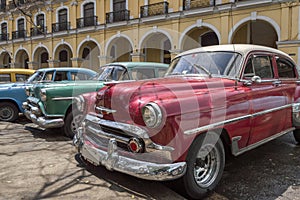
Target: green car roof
{"x": 138, "y": 64}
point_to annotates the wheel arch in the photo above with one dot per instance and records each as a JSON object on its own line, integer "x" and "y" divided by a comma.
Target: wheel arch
{"x": 13, "y": 102}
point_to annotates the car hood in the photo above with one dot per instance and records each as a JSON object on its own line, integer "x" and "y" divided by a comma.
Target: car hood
{"x": 10, "y": 85}
{"x": 171, "y": 93}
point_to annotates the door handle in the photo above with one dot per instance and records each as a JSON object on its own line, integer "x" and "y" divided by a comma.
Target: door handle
{"x": 277, "y": 83}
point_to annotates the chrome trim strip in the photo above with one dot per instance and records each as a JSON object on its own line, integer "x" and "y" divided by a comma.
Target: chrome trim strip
{"x": 103, "y": 109}
{"x": 217, "y": 124}
{"x": 237, "y": 152}
{"x": 62, "y": 98}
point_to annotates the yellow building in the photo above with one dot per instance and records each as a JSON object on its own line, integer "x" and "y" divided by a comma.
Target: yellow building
{"x": 57, "y": 33}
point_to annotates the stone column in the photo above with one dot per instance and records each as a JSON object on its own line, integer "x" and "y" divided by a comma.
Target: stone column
{"x": 105, "y": 60}
{"x": 53, "y": 63}
{"x": 137, "y": 57}
{"x": 33, "y": 65}
{"x": 76, "y": 62}
{"x": 174, "y": 52}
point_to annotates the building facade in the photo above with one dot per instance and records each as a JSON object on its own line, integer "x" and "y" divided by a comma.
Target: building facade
{"x": 36, "y": 34}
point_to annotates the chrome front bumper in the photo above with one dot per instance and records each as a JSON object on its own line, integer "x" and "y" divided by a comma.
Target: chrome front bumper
{"x": 141, "y": 165}
{"x": 141, "y": 169}
{"x": 30, "y": 112}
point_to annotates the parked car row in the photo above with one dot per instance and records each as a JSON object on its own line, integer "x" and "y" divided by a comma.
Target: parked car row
{"x": 214, "y": 102}
{"x": 179, "y": 122}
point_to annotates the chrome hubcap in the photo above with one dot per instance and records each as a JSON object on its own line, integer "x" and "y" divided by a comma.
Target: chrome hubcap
{"x": 6, "y": 113}
{"x": 206, "y": 166}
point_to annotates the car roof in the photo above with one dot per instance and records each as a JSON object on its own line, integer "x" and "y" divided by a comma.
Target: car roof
{"x": 74, "y": 69}
{"x": 17, "y": 70}
{"x": 139, "y": 64}
{"x": 240, "y": 48}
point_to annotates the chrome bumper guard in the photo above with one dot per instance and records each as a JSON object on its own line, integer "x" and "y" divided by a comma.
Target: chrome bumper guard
{"x": 29, "y": 112}
{"x": 141, "y": 169}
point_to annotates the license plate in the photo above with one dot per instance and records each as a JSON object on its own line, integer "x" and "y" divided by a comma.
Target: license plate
{"x": 91, "y": 155}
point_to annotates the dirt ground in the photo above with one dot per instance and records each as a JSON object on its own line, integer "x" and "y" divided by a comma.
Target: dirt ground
{"x": 41, "y": 164}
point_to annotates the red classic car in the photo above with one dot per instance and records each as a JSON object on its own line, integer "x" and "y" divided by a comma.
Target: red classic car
{"x": 214, "y": 102}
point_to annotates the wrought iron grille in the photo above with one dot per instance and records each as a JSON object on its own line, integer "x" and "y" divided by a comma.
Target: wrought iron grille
{"x": 155, "y": 9}
{"x": 38, "y": 31}
{"x": 4, "y": 37}
{"x": 62, "y": 26}
{"x": 190, "y": 4}
{"x": 87, "y": 21}
{"x": 121, "y": 15}
{"x": 18, "y": 34}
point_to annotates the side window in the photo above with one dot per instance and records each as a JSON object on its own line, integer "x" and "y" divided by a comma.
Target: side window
{"x": 21, "y": 77}
{"x": 249, "y": 71}
{"x": 259, "y": 65}
{"x": 48, "y": 76}
{"x": 162, "y": 72}
{"x": 5, "y": 78}
{"x": 60, "y": 76}
{"x": 79, "y": 76}
{"x": 117, "y": 73}
{"x": 286, "y": 69}
{"x": 143, "y": 73}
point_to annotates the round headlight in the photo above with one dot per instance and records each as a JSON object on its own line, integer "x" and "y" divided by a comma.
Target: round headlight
{"x": 43, "y": 95}
{"x": 152, "y": 115}
{"x": 80, "y": 103}
{"x": 27, "y": 90}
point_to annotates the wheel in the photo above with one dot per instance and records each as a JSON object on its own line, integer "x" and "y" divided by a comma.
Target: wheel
{"x": 297, "y": 135}
{"x": 205, "y": 165}
{"x": 8, "y": 112}
{"x": 72, "y": 122}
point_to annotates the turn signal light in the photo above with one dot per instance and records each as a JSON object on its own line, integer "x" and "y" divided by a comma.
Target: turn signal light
{"x": 135, "y": 145}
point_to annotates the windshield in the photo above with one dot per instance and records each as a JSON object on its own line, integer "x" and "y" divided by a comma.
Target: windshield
{"x": 112, "y": 73}
{"x": 207, "y": 63}
{"x": 37, "y": 76}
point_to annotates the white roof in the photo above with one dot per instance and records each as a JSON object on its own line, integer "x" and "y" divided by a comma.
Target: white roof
{"x": 240, "y": 48}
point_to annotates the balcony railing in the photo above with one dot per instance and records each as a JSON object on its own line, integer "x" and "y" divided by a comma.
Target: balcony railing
{"x": 154, "y": 9}
{"x": 190, "y": 4}
{"x": 87, "y": 21}
{"x": 62, "y": 26}
{"x": 38, "y": 31}
{"x": 117, "y": 16}
{"x": 18, "y": 34}
{"x": 4, "y": 37}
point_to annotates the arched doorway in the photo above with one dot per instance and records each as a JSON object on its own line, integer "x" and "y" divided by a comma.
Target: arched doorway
{"x": 156, "y": 48}
{"x": 256, "y": 32}
{"x": 199, "y": 37}
{"x": 89, "y": 53}
{"x": 41, "y": 57}
{"x": 22, "y": 59}
{"x": 63, "y": 54}
{"x": 5, "y": 60}
{"x": 119, "y": 50}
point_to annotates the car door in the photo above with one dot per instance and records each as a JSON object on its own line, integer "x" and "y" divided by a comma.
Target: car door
{"x": 267, "y": 100}
{"x": 287, "y": 73}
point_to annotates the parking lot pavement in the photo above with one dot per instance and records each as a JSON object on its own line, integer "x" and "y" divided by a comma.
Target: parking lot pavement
{"x": 41, "y": 164}
{"x": 38, "y": 164}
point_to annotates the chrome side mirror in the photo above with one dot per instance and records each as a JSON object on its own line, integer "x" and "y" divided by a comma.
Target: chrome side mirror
{"x": 256, "y": 79}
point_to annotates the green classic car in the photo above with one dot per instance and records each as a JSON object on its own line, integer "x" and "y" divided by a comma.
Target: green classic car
{"x": 50, "y": 105}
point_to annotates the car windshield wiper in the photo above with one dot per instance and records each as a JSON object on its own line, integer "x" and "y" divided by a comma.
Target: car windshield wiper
{"x": 203, "y": 69}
